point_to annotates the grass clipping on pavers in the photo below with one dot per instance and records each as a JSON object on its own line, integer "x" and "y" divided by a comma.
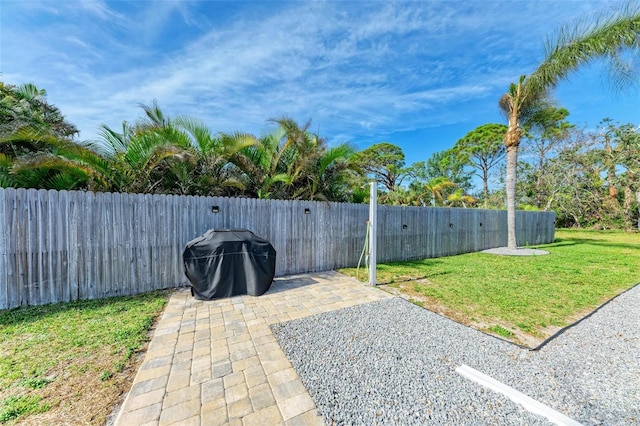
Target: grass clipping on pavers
{"x": 71, "y": 363}
{"x": 523, "y": 299}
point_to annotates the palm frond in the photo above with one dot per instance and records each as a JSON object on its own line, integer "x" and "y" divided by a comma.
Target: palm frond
{"x": 332, "y": 155}
{"x": 231, "y": 143}
{"x": 155, "y": 115}
{"x": 30, "y": 134}
{"x": 200, "y": 139}
{"x": 30, "y": 91}
{"x": 574, "y": 45}
{"x": 48, "y": 166}
{"x": 63, "y": 181}
{"x": 112, "y": 142}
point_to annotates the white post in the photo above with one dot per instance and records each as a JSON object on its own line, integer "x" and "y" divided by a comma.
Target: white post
{"x": 373, "y": 226}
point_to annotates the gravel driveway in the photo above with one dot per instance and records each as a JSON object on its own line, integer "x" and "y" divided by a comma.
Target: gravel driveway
{"x": 391, "y": 362}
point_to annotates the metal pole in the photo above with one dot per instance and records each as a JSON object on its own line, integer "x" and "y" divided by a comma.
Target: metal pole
{"x": 373, "y": 224}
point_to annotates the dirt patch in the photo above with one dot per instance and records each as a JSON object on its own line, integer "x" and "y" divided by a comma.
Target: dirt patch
{"x": 78, "y": 395}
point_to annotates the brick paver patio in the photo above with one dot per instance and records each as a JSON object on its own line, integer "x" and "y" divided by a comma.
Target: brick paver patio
{"x": 217, "y": 362}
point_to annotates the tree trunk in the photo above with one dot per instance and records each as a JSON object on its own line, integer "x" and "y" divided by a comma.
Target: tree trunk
{"x": 638, "y": 201}
{"x": 626, "y": 207}
{"x": 512, "y": 159}
{"x": 485, "y": 186}
{"x": 511, "y": 141}
{"x": 611, "y": 170}
{"x": 539, "y": 180}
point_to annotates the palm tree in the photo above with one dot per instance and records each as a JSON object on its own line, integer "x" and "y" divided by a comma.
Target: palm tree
{"x": 57, "y": 163}
{"x": 567, "y": 51}
{"x": 154, "y": 154}
{"x": 144, "y": 155}
{"x": 259, "y": 165}
{"x": 37, "y": 149}
{"x": 26, "y": 106}
{"x": 459, "y": 198}
{"x": 292, "y": 163}
{"x": 329, "y": 178}
{"x": 213, "y": 172}
{"x": 436, "y": 190}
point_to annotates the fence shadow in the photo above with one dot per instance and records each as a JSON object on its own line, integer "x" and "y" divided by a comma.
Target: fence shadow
{"x": 283, "y": 284}
{"x": 559, "y": 242}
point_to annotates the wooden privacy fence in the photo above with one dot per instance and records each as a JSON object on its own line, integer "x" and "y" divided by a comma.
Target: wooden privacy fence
{"x": 72, "y": 245}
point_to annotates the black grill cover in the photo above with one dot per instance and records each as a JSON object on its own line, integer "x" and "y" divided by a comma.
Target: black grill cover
{"x": 229, "y": 262}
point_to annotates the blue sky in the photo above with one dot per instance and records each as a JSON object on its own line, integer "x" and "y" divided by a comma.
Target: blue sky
{"x": 418, "y": 74}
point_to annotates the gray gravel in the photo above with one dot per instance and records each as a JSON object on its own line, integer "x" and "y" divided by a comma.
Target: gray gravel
{"x": 391, "y": 362}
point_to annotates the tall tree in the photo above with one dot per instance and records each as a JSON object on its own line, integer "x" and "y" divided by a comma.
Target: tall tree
{"x": 482, "y": 149}
{"x": 442, "y": 164}
{"x": 545, "y": 129}
{"x": 384, "y": 162}
{"x": 608, "y": 132}
{"x": 627, "y": 154}
{"x": 572, "y": 181}
{"x": 566, "y": 51}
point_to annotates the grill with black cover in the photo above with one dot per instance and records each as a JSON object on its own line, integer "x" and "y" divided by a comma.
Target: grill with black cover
{"x": 229, "y": 262}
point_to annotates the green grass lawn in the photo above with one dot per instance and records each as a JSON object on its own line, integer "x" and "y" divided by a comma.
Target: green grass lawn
{"x": 71, "y": 360}
{"x": 523, "y": 298}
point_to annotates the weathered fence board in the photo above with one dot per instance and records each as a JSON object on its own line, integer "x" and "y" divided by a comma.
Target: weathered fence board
{"x": 4, "y": 273}
{"x": 71, "y": 245}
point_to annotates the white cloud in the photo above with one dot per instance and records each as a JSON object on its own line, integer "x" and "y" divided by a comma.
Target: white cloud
{"x": 95, "y": 7}
{"x": 356, "y": 68}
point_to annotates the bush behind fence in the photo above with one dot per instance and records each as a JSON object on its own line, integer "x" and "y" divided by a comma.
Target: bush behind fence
{"x": 73, "y": 245}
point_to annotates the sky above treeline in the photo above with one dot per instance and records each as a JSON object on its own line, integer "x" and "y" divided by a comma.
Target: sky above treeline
{"x": 418, "y": 74}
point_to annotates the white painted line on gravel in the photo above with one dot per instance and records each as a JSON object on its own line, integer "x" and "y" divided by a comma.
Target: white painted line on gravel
{"x": 527, "y": 402}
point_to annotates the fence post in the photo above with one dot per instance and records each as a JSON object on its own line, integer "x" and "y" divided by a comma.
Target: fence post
{"x": 373, "y": 224}
{"x": 4, "y": 233}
